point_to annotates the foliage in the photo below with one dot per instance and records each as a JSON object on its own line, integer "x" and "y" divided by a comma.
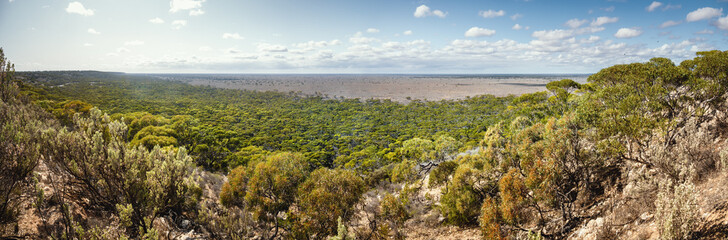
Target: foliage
{"x": 442, "y": 172}
{"x": 676, "y": 209}
{"x": 21, "y": 126}
{"x": 363, "y": 134}
{"x": 463, "y": 196}
{"x": 325, "y": 196}
{"x": 394, "y": 213}
{"x": 108, "y": 173}
{"x": 272, "y": 186}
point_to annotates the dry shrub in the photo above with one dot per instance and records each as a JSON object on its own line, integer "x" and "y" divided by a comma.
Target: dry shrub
{"x": 676, "y": 206}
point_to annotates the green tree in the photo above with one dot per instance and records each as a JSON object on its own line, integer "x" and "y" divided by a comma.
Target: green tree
{"x": 272, "y": 187}
{"x": 325, "y": 196}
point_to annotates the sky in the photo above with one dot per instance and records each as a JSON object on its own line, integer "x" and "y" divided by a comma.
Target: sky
{"x": 353, "y": 36}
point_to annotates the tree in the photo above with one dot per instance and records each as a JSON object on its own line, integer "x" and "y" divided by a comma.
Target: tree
{"x": 272, "y": 187}
{"x": 325, "y": 196}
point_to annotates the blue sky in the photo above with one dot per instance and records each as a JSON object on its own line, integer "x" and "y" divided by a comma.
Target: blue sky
{"x": 347, "y": 36}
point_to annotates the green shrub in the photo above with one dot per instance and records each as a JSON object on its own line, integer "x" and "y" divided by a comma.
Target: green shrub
{"x": 325, "y": 196}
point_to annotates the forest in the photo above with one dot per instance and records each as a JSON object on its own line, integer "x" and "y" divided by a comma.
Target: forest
{"x": 636, "y": 152}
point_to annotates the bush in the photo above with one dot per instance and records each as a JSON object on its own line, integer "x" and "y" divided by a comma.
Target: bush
{"x": 272, "y": 186}
{"x": 327, "y": 195}
{"x": 462, "y": 199}
{"x": 109, "y": 175}
{"x": 676, "y": 209}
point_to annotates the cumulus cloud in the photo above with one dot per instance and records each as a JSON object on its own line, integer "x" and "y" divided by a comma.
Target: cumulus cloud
{"x": 575, "y": 23}
{"x": 627, "y": 33}
{"x": 516, "y": 16}
{"x": 491, "y": 13}
{"x": 122, "y": 50}
{"x": 156, "y": 20}
{"x": 372, "y": 30}
{"x": 177, "y": 24}
{"x": 78, "y": 8}
{"x": 517, "y": 27}
{"x": 181, "y": 5}
{"x": 703, "y": 14}
{"x": 93, "y": 31}
{"x": 653, "y": 6}
{"x": 479, "y": 32}
{"x": 87, "y": 45}
{"x": 604, "y": 20}
{"x": 669, "y": 24}
{"x": 234, "y": 36}
{"x": 425, "y": 11}
{"x": 609, "y": 9}
{"x": 407, "y": 33}
{"x": 134, "y": 43}
{"x": 722, "y": 23}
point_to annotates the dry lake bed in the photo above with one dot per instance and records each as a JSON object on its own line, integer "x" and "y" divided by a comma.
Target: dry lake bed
{"x": 400, "y": 88}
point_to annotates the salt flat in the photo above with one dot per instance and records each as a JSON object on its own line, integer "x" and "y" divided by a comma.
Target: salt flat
{"x": 400, "y": 88}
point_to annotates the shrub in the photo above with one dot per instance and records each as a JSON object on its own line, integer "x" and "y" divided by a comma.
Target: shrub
{"x": 440, "y": 175}
{"x": 106, "y": 173}
{"x": 272, "y": 186}
{"x": 327, "y": 195}
{"x": 676, "y": 208}
{"x": 461, "y": 201}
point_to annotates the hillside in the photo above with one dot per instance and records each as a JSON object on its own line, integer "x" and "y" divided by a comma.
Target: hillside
{"x": 637, "y": 152}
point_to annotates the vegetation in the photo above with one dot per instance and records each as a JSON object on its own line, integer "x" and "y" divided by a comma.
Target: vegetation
{"x": 540, "y": 165}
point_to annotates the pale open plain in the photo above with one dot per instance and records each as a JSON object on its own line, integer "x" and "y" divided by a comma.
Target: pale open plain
{"x": 400, "y": 88}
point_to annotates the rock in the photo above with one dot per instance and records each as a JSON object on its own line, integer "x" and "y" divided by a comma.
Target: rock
{"x": 184, "y": 224}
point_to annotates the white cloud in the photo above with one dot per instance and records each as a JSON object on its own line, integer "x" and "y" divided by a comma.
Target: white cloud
{"x": 516, "y": 16}
{"x": 491, "y": 13}
{"x": 669, "y": 24}
{"x": 517, "y": 27}
{"x": 653, "y": 6}
{"x": 234, "y": 36}
{"x": 722, "y": 23}
{"x": 575, "y": 23}
{"x": 87, "y": 45}
{"x": 156, "y": 20}
{"x": 479, "y": 32}
{"x": 704, "y": 13}
{"x": 177, "y": 24}
{"x": 627, "y": 33}
{"x": 604, "y": 20}
{"x": 439, "y": 13}
{"x": 93, "y": 31}
{"x": 122, "y": 50}
{"x": 609, "y": 9}
{"x": 196, "y": 12}
{"x": 265, "y": 47}
{"x": 78, "y": 8}
{"x": 425, "y": 11}
{"x": 372, "y": 30}
{"x": 550, "y": 35}
{"x": 180, "y": 5}
{"x": 134, "y": 43}
{"x": 204, "y": 48}
{"x": 407, "y": 33}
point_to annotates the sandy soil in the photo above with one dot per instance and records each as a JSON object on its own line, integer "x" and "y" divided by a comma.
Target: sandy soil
{"x": 400, "y": 88}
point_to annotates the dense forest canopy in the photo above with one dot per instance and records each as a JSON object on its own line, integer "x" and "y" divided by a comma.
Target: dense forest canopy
{"x": 629, "y": 146}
